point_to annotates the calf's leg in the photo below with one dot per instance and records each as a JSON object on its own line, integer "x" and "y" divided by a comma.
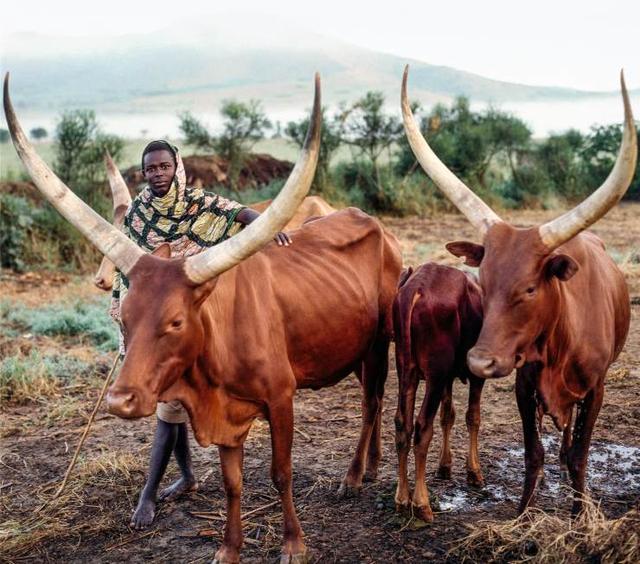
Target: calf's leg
{"x": 421, "y": 442}
{"x": 407, "y": 384}
{"x": 564, "y": 448}
{"x": 447, "y": 419}
{"x": 231, "y": 462}
{"x": 474, "y": 472}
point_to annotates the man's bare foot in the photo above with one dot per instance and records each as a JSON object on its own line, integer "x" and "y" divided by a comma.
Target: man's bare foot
{"x": 179, "y": 487}
{"x": 143, "y": 515}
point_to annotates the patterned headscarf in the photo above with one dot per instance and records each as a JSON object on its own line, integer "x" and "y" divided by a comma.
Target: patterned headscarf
{"x": 189, "y": 219}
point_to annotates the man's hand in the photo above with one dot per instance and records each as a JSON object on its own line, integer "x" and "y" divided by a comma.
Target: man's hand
{"x": 282, "y": 239}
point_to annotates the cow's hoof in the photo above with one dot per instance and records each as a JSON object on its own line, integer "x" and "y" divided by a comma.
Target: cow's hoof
{"x": 370, "y": 476}
{"x": 348, "y": 490}
{"x": 300, "y": 558}
{"x": 475, "y": 479}
{"x": 226, "y": 555}
{"x": 403, "y": 507}
{"x": 444, "y": 472}
{"x": 422, "y": 512}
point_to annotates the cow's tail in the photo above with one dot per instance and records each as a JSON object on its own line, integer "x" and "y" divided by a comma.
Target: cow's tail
{"x": 405, "y": 313}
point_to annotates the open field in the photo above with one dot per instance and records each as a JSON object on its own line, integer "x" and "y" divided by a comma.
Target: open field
{"x": 90, "y": 521}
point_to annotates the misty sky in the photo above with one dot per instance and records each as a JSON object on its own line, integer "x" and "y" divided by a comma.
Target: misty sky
{"x": 578, "y": 44}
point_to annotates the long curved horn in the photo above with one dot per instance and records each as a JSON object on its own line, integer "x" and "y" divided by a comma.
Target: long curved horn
{"x": 560, "y": 230}
{"x": 475, "y": 210}
{"x": 222, "y": 257}
{"x": 111, "y": 242}
{"x": 119, "y": 191}
{"x": 121, "y": 201}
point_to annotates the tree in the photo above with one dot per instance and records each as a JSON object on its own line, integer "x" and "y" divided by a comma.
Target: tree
{"x": 599, "y": 153}
{"x": 80, "y": 148}
{"x": 244, "y": 124}
{"x": 330, "y": 141}
{"x": 369, "y": 128}
{"x": 4, "y": 135}
{"x": 38, "y": 133}
{"x": 194, "y": 132}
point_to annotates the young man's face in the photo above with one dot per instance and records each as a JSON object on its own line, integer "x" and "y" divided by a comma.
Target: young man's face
{"x": 159, "y": 170}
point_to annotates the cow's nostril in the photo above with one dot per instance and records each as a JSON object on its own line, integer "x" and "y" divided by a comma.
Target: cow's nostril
{"x": 519, "y": 361}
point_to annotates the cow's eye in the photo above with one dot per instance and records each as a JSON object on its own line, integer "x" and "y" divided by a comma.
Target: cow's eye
{"x": 531, "y": 290}
{"x": 176, "y": 324}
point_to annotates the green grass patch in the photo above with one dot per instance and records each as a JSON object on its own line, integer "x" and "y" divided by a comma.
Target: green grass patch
{"x": 30, "y": 377}
{"x": 87, "y": 321}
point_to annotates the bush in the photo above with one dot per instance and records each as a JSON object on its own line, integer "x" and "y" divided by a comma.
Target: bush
{"x": 15, "y": 224}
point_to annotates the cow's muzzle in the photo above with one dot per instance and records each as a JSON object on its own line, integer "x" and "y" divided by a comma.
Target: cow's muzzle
{"x": 129, "y": 403}
{"x": 485, "y": 364}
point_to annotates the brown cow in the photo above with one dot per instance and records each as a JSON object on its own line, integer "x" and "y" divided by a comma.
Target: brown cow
{"x": 437, "y": 316}
{"x": 556, "y": 306}
{"x": 311, "y": 206}
{"x": 233, "y": 332}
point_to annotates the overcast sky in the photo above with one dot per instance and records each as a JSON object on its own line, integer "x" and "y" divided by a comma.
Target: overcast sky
{"x": 579, "y": 44}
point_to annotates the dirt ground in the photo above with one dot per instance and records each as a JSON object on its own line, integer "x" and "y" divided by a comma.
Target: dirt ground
{"x": 90, "y": 522}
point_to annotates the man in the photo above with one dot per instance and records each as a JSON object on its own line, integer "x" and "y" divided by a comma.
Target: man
{"x": 189, "y": 220}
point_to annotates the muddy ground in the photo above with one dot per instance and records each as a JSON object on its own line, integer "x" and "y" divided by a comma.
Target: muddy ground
{"x": 90, "y": 521}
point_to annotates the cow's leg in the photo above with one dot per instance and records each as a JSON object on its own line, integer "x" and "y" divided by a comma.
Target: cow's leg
{"x": 447, "y": 419}
{"x": 231, "y": 462}
{"x": 374, "y": 375}
{"x": 564, "y": 448}
{"x": 281, "y": 423}
{"x": 421, "y": 442}
{"x": 407, "y": 384}
{"x": 533, "y": 450}
{"x": 374, "y": 453}
{"x": 578, "y": 453}
{"x": 474, "y": 472}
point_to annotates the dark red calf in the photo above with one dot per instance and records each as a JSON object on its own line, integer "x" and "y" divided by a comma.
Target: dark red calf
{"x": 437, "y": 317}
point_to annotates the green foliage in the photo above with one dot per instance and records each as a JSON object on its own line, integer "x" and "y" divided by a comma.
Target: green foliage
{"x": 469, "y": 142}
{"x": 4, "y": 135}
{"x": 38, "y": 133}
{"x": 80, "y": 149}
{"x": 599, "y": 153}
{"x": 330, "y": 139}
{"x": 194, "y": 132}
{"x": 15, "y": 224}
{"x": 244, "y": 124}
{"x": 87, "y": 320}
{"x": 252, "y": 195}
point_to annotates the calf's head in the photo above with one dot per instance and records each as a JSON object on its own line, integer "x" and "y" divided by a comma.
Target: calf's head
{"x": 520, "y": 269}
{"x": 164, "y": 330}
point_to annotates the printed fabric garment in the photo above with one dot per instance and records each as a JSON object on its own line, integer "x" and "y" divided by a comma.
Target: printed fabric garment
{"x": 189, "y": 219}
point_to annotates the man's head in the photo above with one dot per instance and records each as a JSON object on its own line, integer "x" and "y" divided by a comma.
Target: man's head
{"x": 159, "y": 166}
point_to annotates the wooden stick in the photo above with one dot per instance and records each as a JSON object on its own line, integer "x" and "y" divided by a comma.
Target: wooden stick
{"x": 86, "y": 429}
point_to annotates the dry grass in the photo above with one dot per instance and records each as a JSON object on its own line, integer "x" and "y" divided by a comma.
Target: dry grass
{"x": 542, "y": 537}
{"x": 62, "y": 518}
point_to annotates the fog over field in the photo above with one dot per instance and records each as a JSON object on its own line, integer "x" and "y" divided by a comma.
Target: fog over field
{"x": 138, "y": 82}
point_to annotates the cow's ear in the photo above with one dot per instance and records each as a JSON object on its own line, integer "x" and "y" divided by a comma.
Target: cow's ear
{"x": 162, "y": 251}
{"x": 404, "y": 276}
{"x": 202, "y": 292}
{"x": 470, "y": 251}
{"x": 561, "y": 266}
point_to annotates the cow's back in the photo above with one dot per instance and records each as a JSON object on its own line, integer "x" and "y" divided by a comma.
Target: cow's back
{"x": 331, "y": 290}
{"x": 437, "y": 318}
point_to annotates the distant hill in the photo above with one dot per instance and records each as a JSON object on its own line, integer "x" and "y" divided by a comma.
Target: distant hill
{"x": 164, "y": 72}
